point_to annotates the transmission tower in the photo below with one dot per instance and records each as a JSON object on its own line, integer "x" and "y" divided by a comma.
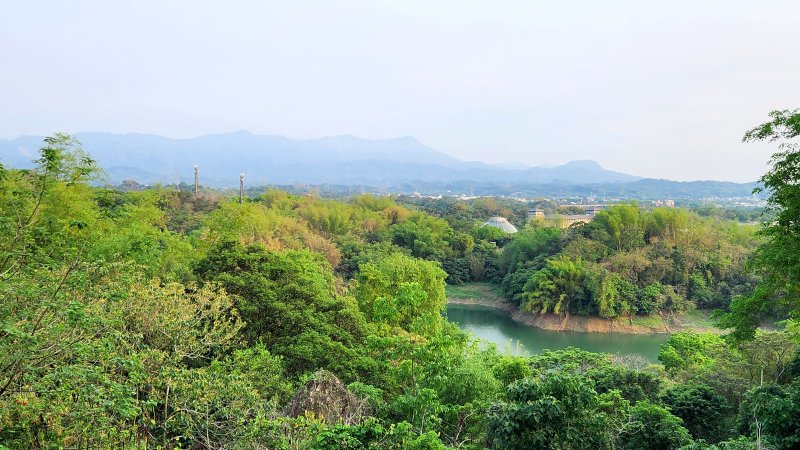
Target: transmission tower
{"x": 241, "y": 187}
{"x": 196, "y": 179}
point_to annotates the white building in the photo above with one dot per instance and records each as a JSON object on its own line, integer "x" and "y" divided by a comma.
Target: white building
{"x": 501, "y": 223}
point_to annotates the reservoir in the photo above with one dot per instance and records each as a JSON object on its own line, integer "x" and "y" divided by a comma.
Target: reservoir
{"x": 495, "y": 326}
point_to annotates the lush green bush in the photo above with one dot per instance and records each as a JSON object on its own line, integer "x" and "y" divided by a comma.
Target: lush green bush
{"x": 702, "y": 409}
{"x": 773, "y": 411}
{"x": 553, "y": 411}
{"x": 653, "y": 427}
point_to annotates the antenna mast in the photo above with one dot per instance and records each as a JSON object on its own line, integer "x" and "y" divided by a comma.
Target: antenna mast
{"x": 241, "y": 187}
{"x": 196, "y": 172}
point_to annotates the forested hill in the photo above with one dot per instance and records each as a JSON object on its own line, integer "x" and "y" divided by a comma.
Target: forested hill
{"x": 627, "y": 261}
{"x": 161, "y": 319}
{"x": 642, "y": 189}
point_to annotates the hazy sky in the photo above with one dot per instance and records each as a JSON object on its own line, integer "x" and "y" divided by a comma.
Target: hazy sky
{"x": 654, "y": 88}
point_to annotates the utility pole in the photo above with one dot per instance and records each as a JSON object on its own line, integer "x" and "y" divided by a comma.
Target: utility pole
{"x": 196, "y": 180}
{"x": 241, "y": 187}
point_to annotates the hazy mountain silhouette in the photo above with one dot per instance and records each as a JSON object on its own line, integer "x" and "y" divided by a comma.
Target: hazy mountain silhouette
{"x": 281, "y": 160}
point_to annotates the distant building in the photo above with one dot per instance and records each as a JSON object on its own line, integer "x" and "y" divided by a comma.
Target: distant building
{"x": 669, "y": 203}
{"x": 567, "y": 221}
{"x": 592, "y": 210}
{"x": 501, "y": 223}
{"x": 535, "y": 213}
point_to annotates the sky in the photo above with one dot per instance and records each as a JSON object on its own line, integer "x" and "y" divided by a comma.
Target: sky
{"x": 661, "y": 89}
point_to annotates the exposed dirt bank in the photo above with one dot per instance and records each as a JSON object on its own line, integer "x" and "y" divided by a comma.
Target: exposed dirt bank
{"x": 506, "y": 306}
{"x": 637, "y": 325}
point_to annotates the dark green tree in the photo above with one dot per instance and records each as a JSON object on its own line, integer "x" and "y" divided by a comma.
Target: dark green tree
{"x": 777, "y": 261}
{"x": 654, "y": 428}
{"x": 703, "y": 410}
{"x": 632, "y": 385}
{"x": 554, "y": 411}
{"x": 288, "y": 301}
{"x": 772, "y": 413}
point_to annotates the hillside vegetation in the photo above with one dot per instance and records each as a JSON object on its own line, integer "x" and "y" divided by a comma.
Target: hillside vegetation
{"x": 627, "y": 261}
{"x": 161, "y": 319}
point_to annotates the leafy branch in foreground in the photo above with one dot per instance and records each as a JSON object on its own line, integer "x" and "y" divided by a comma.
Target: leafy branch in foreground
{"x": 777, "y": 261}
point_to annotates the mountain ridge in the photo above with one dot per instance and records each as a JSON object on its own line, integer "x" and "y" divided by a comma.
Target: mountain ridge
{"x": 331, "y": 160}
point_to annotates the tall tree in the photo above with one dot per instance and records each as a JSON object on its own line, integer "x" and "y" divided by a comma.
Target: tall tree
{"x": 403, "y": 291}
{"x": 556, "y": 287}
{"x": 777, "y": 261}
{"x": 289, "y": 301}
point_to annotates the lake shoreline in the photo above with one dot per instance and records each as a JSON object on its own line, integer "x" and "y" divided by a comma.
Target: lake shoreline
{"x": 586, "y": 324}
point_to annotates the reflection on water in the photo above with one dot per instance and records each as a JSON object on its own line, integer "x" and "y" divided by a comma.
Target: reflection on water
{"x": 496, "y": 326}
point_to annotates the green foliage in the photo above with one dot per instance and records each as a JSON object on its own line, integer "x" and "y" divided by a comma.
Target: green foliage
{"x": 772, "y": 411}
{"x": 687, "y": 350}
{"x": 570, "y": 359}
{"x": 784, "y": 125}
{"x": 491, "y": 234}
{"x": 309, "y": 433}
{"x": 632, "y": 385}
{"x": 513, "y": 283}
{"x": 651, "y": 299}
{"x": 768, "y": 356}
{"x": 554, "y": 411}
{"x": 609, "y": 294}
{"x": 667, "y": 225}
{"x": 470, "y": 382}
{"x": 164, "y": 319}
{"x": 289, "y": 303}
{"x": 621, "y": 226}
{"x": 407, "y": 310}
{"x": 383, "y": 291}
{"x": 732, "y": 368}
{"x": 702, "y": 410}
{"x": 629, "y": 261}
{"x": 107, "y": 359}
{"x": 653, "y": 427}
{"x": 254, "y": 223}
{"x": 427, "y": 237}
{"x": 530, "y": 247}
{"x": 777, "y": 261}
{"x": 458, "y": 270}
{"x": 510, "y": 369}
{"x": 740, "y": 443}
{"x": 264, "y": 371}
{"x": 355, "y": 252}
{"x": 557, "y": 287}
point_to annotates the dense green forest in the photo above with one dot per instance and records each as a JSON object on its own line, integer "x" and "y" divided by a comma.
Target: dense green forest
{"x": 628, "y": 260}
{"x": 164, "y": 319}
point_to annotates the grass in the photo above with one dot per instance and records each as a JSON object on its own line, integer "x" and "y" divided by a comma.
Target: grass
{"x": 692, "y": 320}
{"x": 474, "y": 291}
{"x": 647, "y": 321}
{"x": 700, "y": 318}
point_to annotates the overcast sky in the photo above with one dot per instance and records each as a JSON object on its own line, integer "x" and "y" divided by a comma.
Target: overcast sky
{"x": 654, "y": 88}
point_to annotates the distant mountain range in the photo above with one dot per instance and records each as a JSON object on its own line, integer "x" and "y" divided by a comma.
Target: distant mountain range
{"x": 400, "y": 164}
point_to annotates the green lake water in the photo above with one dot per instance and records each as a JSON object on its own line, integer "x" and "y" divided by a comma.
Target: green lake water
{"x": 496, "y": 326}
